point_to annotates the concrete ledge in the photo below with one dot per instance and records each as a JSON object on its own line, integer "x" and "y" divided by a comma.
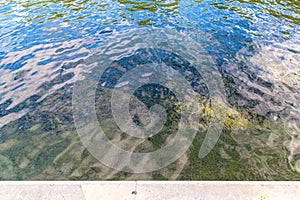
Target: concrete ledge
{"x": 41, "y": 190}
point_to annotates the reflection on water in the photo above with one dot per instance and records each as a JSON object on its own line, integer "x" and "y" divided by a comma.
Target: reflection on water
{"x": 46, "y": 46}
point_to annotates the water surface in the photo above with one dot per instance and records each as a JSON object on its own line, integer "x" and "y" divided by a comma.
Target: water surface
{"x": 47, "y": 46}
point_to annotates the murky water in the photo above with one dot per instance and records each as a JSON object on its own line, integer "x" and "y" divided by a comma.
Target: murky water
{"x": 49, "y": 46}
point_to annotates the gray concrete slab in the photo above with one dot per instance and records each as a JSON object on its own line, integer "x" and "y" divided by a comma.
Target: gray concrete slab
{"x": 140, "y": 190}
{"x": 218, "y": 190}
{"x": 35, "y": 191}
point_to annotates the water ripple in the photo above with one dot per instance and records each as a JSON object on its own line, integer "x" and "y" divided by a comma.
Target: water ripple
{"x": 47, "y": 45}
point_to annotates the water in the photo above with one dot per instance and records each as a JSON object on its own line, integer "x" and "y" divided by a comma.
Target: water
{"x": 48, "y": 46}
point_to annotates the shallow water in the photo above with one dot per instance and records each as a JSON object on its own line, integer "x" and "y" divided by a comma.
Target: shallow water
{"x": 49, "y": 46}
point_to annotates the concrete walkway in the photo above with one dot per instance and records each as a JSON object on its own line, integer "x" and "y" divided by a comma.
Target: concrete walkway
{"x": 136, "y": 190}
